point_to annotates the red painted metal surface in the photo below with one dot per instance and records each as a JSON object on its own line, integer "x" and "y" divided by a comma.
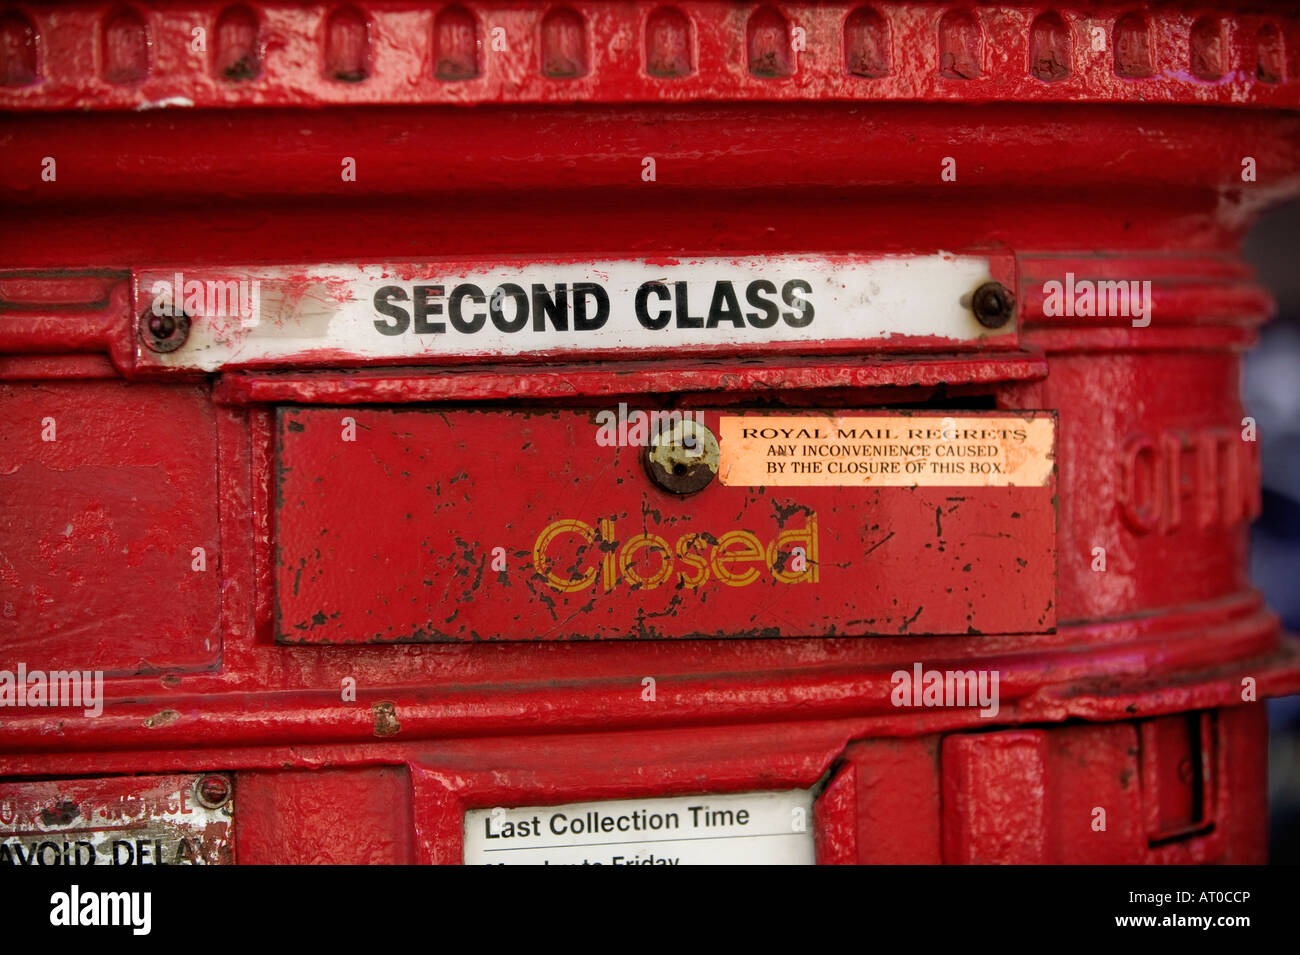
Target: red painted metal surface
{"x": 281, "y": 54}
{"x": 1121, "y": 162}
{"x": 103, "y": 491}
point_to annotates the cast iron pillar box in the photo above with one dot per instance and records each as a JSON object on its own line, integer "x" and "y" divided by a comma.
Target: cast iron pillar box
{"x": 629, "y": 432}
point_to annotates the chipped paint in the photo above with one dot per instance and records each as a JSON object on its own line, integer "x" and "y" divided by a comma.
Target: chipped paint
{"x": 440, "y": 310}
{"x": 146, "y": 820}
{"x": 593, "y": 548}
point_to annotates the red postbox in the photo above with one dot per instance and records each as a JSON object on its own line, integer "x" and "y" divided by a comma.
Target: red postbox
{"x": 634, "y": 433}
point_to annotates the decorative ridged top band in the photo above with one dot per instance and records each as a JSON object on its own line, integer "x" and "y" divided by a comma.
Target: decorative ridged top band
{"x": 115, "y": 56}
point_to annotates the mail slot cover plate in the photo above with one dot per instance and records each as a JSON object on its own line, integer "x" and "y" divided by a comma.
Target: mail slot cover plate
{"x": 424, "y": 524}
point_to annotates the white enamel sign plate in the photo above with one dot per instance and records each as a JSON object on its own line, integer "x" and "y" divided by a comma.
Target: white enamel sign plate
{"x": 118, "y": 821}
{"x": 764, "y": 828}
{"x": 453, "y": 310}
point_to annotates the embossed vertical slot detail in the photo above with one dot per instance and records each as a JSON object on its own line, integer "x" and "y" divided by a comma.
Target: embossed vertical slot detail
{"x": 867, "y": 44}
{"x": 238, "y": 47}
{"x": 455, "y": 45}
{"x": 1049, "y": 48}
{"x": 17, "y": 50}
{"x": 668, "y": 43}
{"x": 564, "y": 45}
{"x": 1132, "y": 45}
{"x": 961, "y": 46}
{"x": 125, "y": 48}
{"x": 1178, "y": 776}
{"x": 768, "y": 44}
{"x": 347, "y": 46}
{"x": 1270, "y": 54}
{"x": 1205, "y": 49}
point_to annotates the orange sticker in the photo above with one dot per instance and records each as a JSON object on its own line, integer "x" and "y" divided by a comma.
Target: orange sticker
{"x": 886, "y": 450}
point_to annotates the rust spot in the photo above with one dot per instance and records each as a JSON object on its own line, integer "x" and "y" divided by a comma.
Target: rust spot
{"x": 768, "y": 40}
{"x": 60, "y": 814}
{"x": 386, "y": 723}
{"x": 1131, "y": 39}
{"x": 961, "y": 46}
{"x": 161, "y": 718}
{"x": 1049, "y": 48}
{"x": 238, "y": 45}
{"x": 867, "y": 44}
{"x": 1270, "y": 61}
{"x": 784, "y": 512}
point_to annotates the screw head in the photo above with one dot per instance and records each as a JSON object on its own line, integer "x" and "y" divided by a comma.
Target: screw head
{"x": 683, "y": 459}
{"x": 212, "y": 792}
{"x": 163, "y": 333}
{"x": 993, "y": 305}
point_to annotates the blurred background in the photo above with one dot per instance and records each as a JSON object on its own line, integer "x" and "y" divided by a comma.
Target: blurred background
{"x": 1272, "y": 395}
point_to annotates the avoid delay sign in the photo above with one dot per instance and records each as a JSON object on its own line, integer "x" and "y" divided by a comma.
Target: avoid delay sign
{"x": 765, "y": 828}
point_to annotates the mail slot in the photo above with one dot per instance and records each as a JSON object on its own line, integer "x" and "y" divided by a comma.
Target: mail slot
{"x": 634, "y": 434}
